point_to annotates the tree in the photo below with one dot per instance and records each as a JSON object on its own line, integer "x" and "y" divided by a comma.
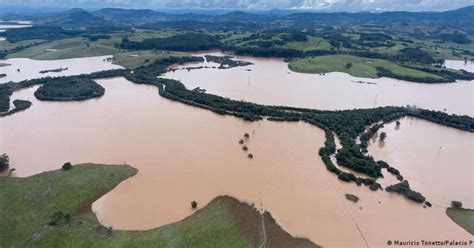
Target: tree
{"x": 4, "y": 162}
{"x": 59, "y": 218}
{"x": 194, "y": 204}
{"x": 348, "y": 65}
{"x": 456, "y": 204}
{"x": 398, "y": 123}
{"x": 374, "y": 187}
{"x": 67, "y": 166}
{"x": 352, "y": 198}
{"x": 383, "y": 135}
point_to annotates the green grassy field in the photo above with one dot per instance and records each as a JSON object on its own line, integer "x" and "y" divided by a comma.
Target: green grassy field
{"x": 5, "y": 45}
{"x": 462, "y": 217}
{"x": 28, "y": 205}
{"x": 135, "y": 59}
{"x": 82, "y": 47}
{"x": 141, "y": 35}
{"x": 67, "y": 48}
{"x": 313, "y": 43}
{"x": 361, "y": 67}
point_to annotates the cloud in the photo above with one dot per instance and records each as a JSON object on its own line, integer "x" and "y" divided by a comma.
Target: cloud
{"x": 326, "y": 5}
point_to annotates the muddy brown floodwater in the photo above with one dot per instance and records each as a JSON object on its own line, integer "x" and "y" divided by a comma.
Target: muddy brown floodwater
{"x": 270, "y": 82}
{"x": 185, "y": 154}
{"x": 436, "y": 160}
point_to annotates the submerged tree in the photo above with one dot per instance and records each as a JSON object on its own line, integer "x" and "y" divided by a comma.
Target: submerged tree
{"x": 250, "y": 155}
{"x": 246, "y": 135}
{"x": 383, "y": 135}
{"x": 245, "y": 148}
{"x": 241, "y": 141}
{"x": 4, "y": 162}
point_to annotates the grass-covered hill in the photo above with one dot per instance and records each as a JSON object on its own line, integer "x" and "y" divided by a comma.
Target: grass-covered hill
{"x": 53, "y": 209}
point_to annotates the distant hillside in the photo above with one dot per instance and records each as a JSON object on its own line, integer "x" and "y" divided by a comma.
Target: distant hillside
{"x": 461, "y": 19}
{"x": 74, "y": 18}
{"x": 463, "y": 16}
{"x": 135, "y": 16}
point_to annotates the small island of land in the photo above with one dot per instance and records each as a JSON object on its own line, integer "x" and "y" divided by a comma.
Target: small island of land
{"x": 54, "y": 70}
{"x": 69, "y": 89}
{"x": 19, "y": 105}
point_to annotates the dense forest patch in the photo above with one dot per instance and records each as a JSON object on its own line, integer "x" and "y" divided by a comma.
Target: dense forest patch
{"x": 19, "y": 105}
{"x": 182, "y": 42}
{"x": 69, "y": 89}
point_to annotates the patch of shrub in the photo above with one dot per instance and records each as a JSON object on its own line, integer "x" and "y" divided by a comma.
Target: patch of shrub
{"x": 456, "y": 204}
{"x": 59, "y": 218}
{"x": 403, "y": 188}
{"x": 352, "y": 198}
{"x": 67, "y": 166}
{"x": 4, "y": 162}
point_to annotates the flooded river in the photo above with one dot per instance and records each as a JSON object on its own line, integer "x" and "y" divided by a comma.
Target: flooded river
{"x": 269, "y": 81}
{"x": 185, "y": 154}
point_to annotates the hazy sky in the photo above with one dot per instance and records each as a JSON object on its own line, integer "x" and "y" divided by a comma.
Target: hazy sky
{"x": 325, "y": 5}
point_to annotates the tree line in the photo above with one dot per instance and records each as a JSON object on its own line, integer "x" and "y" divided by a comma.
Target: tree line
{"x": 346, "y": 124}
